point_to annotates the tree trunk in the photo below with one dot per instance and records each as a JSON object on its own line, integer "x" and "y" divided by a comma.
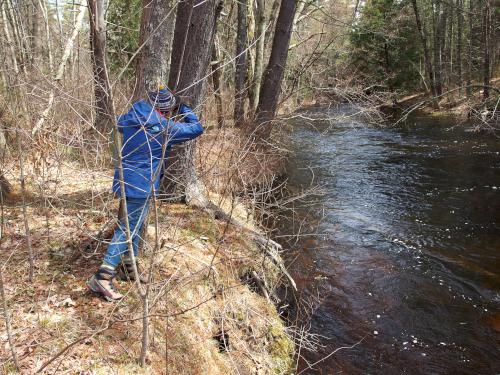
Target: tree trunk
{"x": 272, "y": 21}
{"x": 6, "y": 316}
{"x": 438, "y": 38}
{"x": 59, "y": 74}
{"x": 5, "y": 186}
{"x": 35, "y": 31}
{"x": 273, "y": 76}
{"x": 192, "y": 48}
{"x": 104, "y": 119}
{"x": 216, "y": 81}
{"x": 300, "y": 8}
{"x": 448, "y": 49}
{"x": 427, "y": 57}
{"x": 151, "y": 68}
{"x": 251, "y": 45}
{"x": 241, "y": 63}
{"x": 260, "y": 20}
{"x": 191, "y": 52}
{"x": 48, "y": 39}
{"x": 486, "y": 49}
{"x": 469, "y": 52}
{"x": 17, "y": 41}
{"x": 460, "y": 26}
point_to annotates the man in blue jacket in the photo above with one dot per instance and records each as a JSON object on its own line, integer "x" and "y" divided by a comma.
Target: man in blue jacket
{"x": 149, "y": 131}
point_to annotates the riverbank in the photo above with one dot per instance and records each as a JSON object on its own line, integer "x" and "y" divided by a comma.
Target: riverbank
{"x": 209, "y": 313}
{"x": 454, "y": 103}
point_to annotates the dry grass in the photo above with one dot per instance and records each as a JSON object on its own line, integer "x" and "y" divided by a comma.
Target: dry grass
{"x": 205, "y": 317}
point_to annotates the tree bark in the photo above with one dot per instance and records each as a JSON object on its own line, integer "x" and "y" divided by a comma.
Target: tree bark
{"x": 427, "y": 57}
{"x": 61, "y": 68}
{"x": 104, "y": 120}
{"x": 16, "y": 39}
{"x": 300, "y": 8}
{"x": 448, "y": 45}
{"x": 486, "y": 49}
{"x": 273, "y": 76}
{"x": 6, "y": 315}
{"x": 48, "y": 39}
{"x": 10, "y": 42}
{"x": 216, "y": 81}
{"x": 191, "y": 52}
{"x": 272, "y": 21}
{"x": 260, "y": 20}
{"x": 35, "y": 31}
{"x": 241, "y": 63}
{"x": 468, "y": 88}
{"x": 460, "y": 26}
{"x": 5, "y": 186}
{"x": 151, "y": 68}
{"x": 438, "y": 39}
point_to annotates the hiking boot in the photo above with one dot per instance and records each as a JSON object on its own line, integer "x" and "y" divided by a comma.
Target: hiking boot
{"x": 102, "y": 283}
{"x": 126, "y": 271}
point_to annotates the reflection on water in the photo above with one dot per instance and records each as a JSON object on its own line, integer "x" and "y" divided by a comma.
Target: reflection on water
{"x": 408, "y": 248}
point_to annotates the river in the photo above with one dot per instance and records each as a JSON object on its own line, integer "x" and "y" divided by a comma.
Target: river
{"x": 404, "y": 263}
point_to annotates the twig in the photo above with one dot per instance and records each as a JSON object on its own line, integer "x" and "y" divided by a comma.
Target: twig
{"x": 60, "y": 70}
{"x": 69, "y": 346}
{"x": 25, "y": 211}
{"x": 7, "y": 321}
{"x": 329, "y": 355}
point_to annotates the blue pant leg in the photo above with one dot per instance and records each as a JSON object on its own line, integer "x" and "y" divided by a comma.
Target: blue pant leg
{"x": 137, "y": 209}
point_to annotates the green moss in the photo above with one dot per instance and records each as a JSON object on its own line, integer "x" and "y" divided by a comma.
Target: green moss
{"x": 439, "y": 113}
{"x": 280, "y": 348}
{"x": 204, "y": 226}
{"x": 239, "y": 316}
{"x": 9, "y": 368}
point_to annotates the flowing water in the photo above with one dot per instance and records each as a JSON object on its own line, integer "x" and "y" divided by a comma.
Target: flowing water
{"x": 406, "y": 257}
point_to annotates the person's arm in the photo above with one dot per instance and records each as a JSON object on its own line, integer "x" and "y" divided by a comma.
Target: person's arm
{"x": 128, "y": 119}
{"x": 188, "y": 128}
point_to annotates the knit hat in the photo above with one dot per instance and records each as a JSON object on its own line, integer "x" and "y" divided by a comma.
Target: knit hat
{"x": 162, "y": 99}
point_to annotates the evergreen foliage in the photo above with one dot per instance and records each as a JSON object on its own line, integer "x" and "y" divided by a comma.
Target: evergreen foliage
{"x": 123, "y": 21}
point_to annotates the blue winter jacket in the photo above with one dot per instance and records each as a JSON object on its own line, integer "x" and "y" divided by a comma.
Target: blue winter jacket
{"x": 144, "y": 132}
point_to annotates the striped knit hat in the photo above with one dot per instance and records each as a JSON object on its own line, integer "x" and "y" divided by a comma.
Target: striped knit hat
{"x": 162, "y": 99}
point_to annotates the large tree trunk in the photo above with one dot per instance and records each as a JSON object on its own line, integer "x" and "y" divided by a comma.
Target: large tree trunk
{"x": 104, "y": 118}
{"x": 427, "y": 57}
{"x": 192, "y": 48}
{"x": 260, "y": 20}
{"x": 273, "y": 76}
{"x": 151, "y": 68}
{"x": 486, "y": 49}
{"x": 241, "y": 63}
{"x": 191, "y": 52}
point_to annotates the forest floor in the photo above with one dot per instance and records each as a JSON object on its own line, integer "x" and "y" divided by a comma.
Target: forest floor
{"x": 207, "y": 316}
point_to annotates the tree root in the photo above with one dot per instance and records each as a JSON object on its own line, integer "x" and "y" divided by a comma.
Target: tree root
{"x": 269, "y": 247}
